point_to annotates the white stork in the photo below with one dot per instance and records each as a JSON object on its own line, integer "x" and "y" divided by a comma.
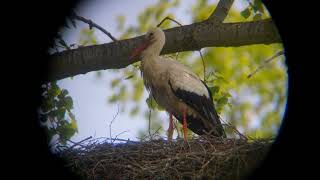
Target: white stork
{"x": 177, "y": 89}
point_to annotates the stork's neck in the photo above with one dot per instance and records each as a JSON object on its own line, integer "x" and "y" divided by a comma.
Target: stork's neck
{"x": 152, "y": 51}
{"x": 150, "y": 56}
{"x": 154, "y": 48}
{"x": 148, "y": 61}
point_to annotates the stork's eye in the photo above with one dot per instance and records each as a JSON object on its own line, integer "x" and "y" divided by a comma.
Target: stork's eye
{"x": 151, "y": 34}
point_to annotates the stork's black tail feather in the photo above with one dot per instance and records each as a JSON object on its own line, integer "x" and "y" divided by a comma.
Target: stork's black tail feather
{"x": 210, "y": 122}
{"x": 215, "y": 118}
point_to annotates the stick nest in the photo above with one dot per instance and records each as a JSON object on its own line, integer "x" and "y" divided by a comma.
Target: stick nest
{"x": 201, "y": 158}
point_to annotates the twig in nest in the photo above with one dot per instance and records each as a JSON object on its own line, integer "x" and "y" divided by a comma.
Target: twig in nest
{"x": 78, "y": 143}
{"x": 92, "y": 24}
{"x": 119, "y": 135}
{"x": 209, "y": 157}
{"x": 123, "y": 140}
{"x": 235, "y": 130}
{"x": 279, "y": 53}
{"x": 150, "y": 136}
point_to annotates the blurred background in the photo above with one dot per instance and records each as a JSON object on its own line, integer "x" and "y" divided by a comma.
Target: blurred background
{"x": 86, "y": 105}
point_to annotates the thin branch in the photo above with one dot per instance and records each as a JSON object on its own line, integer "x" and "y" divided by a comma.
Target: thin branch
{"x": 63, "y": 43}
{"x": 114, "y": 117}
{"x": 123, "y": 140}
{"x": 149, "y": 122}
{"x": 204, "y": 66}
{"x": 92, "y": 24}
{"x": 279, "y": 53}
{"x": 168, "y": 18}
{"x": 221, "y": 11}
{"x": 78, "y": 143}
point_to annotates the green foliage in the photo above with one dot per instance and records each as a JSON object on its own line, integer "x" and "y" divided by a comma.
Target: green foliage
{"x": 202, "y": 10}
{"x": 258, "y": 6}
{"x": 257, "y": 17}
{"x": 246, "y": 12}
{"x": 150, "y": 17}
{"x": 255, "y": 8}
{"x": 55, "y": 113}
{"x": 239, "y": 100}
{"x": 152, "y": 104}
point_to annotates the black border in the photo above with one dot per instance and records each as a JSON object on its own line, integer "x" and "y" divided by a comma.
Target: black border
{"x": 38, "y": 24}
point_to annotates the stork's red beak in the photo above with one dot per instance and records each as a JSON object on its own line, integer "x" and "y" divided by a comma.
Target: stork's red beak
{"x": 136, "y": 52}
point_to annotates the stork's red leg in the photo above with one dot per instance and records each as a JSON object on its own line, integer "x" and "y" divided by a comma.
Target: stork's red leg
{"x": 170, "y": 130}
{"x": 185, "y": 130}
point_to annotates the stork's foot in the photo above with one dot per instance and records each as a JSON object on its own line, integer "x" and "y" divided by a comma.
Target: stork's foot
{"x": 185, "y": 127}
{"x": 170, "y": 130}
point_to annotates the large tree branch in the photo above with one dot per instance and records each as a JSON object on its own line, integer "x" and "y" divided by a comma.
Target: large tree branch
{"x": 192, "y": 37}
{"x": 221, "y": 11}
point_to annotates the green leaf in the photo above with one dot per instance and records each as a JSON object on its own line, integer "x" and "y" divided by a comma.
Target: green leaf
{"x": 63, "y": 94}
{"x": 258, "y": 6}
{"x": 113, "y": 98}
{"x": 214, "y": 89}
{"x": 115, "y": 82}
{"x": 68, "y": 102}
{"x": 129, "y": 77}
{"x": 245, "y": 13}
{"x": 47, "y": 104}
{"x": 60, "y": 113}
{"x": 257, "y": 17}
{"x": 222, "y": 101}
{"x": 226, "y": 94}
{"x": 54, "y": 90}
{"x": 65, "y": 132}
{"x": 151, "y": 102}
{"x": 73, "y": 123}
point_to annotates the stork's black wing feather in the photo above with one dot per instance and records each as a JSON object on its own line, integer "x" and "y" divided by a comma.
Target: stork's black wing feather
{"x": 204, "y": 106}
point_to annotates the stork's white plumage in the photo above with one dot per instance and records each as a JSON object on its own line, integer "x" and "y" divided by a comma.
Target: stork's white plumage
{"x": 177, "y": 89}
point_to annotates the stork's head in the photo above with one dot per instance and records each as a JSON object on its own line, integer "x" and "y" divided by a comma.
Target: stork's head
{"x": 152, "y": 44}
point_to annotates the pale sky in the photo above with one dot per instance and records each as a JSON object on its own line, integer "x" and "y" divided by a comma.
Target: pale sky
{"x": 93, "y": 112}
